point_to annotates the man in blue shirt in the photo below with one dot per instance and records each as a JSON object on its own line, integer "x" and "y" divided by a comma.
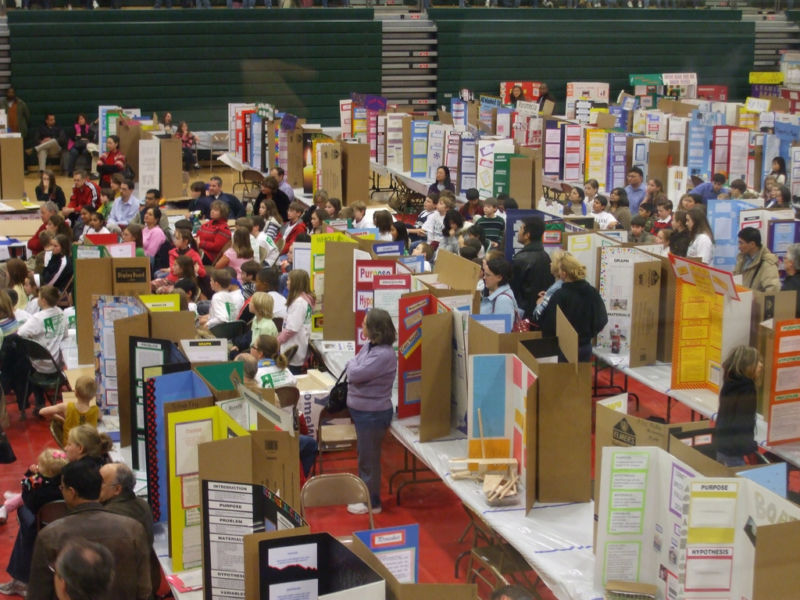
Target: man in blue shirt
{"x": 710, "y": 190}
{"x": 635, "y": 189}
{"x": 126, "y": 207}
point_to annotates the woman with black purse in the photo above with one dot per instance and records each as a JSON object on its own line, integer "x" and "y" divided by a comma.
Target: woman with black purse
{"x": 370, "y": 376}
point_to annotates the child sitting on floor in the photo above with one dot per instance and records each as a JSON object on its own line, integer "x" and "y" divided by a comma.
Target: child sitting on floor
{"x": 80, "y": 412}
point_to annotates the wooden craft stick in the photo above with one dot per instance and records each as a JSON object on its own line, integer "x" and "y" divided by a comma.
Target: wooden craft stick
{"x": 480, "y": 430}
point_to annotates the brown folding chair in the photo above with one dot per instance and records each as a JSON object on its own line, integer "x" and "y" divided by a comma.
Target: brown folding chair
{"x": 50, "y": 512}
{"x": 335, "y": 489}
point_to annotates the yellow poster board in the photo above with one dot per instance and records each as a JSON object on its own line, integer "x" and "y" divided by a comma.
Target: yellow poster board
{"x": 185, "y": 431}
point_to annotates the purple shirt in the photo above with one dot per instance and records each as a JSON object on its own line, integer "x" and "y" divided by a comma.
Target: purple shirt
{"x": 370, "y": 376}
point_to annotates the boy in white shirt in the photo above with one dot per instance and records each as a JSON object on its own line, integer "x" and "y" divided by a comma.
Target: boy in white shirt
{"x": 48, "y": 328}
{"x": 434, "y": 225}
{"x": 266, "y": 245}
{"x": 604, "y": 220}
{"x": 225, "y": 304}
{"x": 359, "y": 216}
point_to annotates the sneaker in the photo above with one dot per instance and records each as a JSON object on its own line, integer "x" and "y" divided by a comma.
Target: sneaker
{"x": 3, "y": 515}
{"x": 360, "y": 508}
{"x": 13, "y": 588}
{"x": 8, "y": 494}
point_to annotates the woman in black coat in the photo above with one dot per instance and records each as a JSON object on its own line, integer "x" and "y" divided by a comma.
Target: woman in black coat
{"x": 734, "y": 433}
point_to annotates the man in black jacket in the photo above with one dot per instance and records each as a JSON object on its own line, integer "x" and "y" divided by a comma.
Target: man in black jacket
{"x": 531, "y": 266}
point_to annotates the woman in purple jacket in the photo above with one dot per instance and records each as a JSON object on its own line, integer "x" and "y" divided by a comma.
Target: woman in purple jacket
{"x": 370, "y": 376}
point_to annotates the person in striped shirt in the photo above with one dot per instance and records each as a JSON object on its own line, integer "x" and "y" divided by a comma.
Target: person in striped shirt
{"x": 491, "y": 225}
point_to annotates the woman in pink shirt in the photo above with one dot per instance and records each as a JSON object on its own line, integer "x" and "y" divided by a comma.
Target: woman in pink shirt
{"x": 239, "y": 253}
{"x": 152, "y": 235}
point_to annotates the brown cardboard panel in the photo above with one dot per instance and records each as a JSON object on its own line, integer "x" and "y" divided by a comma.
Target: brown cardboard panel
{"x": 473, "y": 113}
{"x": 330, "y": 168}
{"x": 252, "y": 581}
{"x": 92, "y": 277}
{"x": 173, "y": 326}
{"x": 697, "y": 460}
{"x": 171, "y": 156}
{"x": 548, "y": 108}
{"x": 123, "y": 330}
{"x": 294, "y": 156}
{"x": 674, "y": 153}
{"x": 666, "y": 311}
{"x": 645, "y": 311}
{"x": 564, "y": 468}
{"x": 567, "y": 337}
{"x": 444, "y": 117}
{"x": 437, "y": 359}
{"x": 777, "y": 104}
{"x": 355, "y": 173}
{"x": 130, "y": 132}
{"x": 129, "y": 276}
{"x": 339, "y": 298}
{"x": 605, "y": 120}
{"x": 482, "y": 340}
{"x": 775, "y": 574}
{"x": 657, "y": 160}
{"x": 22, "y": 229}
{"x": 522, "y": 185}
{"x": 765, "y": 345}
{"x": 457, "y": 272}
{"x": 265, "y": 457}
{"x": 12, "y": 168}
{"x": 531, "y": 443}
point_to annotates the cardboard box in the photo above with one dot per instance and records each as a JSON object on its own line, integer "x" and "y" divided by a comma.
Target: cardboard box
{"x": 643, "y": 340}
{"x": 355, "y": 173}
{"x": 437, "y": 363}
{"x": 130, "y": 132}
{"x": 314, "y": 388}
{"x": 666, "y": 311}
{"x": 104, "y": 276}
{"x": 482, "y": 340}
{"x": 330, "y": 168}
{"x": 563, "y": 416}
{"x": 339, "y": 573}
{"x": 775, "y": 573}
{"x": 265, "y": 457}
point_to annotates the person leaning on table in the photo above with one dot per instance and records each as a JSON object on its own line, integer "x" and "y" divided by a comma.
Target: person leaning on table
{"x": 370, "y": 375}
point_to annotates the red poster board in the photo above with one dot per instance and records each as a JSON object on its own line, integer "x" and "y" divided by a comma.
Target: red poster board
{"x": 365, "y": 272}
{"x": 784, "y": 397}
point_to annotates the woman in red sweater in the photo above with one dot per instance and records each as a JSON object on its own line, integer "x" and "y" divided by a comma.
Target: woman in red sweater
{"x": 111, "y": 161}
{"x": 214, "y": 233}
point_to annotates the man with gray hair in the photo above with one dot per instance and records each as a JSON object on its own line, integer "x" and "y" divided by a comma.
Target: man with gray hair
{"x": 791, "y": 264}
{"x": 46, "y": 210}
{"x": 83, "y": 570}
{"x": 117, "y": 496}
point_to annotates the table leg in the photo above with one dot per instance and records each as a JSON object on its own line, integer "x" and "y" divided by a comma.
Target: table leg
{"x": 411, "y": 469}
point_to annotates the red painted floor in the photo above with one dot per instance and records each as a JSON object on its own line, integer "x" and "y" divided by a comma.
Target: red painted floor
{"x": 433, "y": 506}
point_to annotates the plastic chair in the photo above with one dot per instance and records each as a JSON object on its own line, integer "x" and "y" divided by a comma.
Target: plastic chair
{"x": 45, "y": 380}
{"x": 229, "y": 330}
{"x": 288, "y": 397}
{"x": 53, "y": 510}
{"x": 335, "y": 489}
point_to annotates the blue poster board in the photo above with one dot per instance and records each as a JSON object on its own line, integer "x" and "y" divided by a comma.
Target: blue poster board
{"x": 723, "y": 216}
{"x": 397, "y": 548}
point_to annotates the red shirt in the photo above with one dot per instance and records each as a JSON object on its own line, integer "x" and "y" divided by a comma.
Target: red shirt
{"x": 173, "y": 255}
{"x": 88, "y": 193}
{"x": 116, "y": 158}
{"x": 34, "y": 245}
{"x": 212, "y": 237}
{"x": 299, "y": 228}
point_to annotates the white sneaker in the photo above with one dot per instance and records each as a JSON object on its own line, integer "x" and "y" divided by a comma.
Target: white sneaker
{"x": 9, "y": 494}
{"x": 3, "y": 515}
{"x": 359, "y": 508}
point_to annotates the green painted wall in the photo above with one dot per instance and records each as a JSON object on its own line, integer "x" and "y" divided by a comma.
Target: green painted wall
{"x": 193, "y": 62}
{"x": 478, "y": 48}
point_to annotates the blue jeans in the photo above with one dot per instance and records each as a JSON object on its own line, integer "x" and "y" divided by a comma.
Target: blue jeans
{"x": 371, "y": 427}
{"x": 308, "y": 453}
{"x": 730, "y": 461}
{"x": 19, "y": 563}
